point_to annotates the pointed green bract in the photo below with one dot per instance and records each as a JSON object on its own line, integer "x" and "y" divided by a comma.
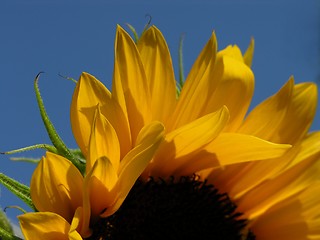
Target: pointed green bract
{"x": 20, "y": 190}
{"x": 68, "y": 78}
{"x": 33, "y": 147}
{"x": 133, "y": 30}
{"x": 24, "y": 159}
{"x": 53, "y": 135}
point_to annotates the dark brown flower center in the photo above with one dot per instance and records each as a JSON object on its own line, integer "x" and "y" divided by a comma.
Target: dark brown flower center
{"x": 183, "y": 209}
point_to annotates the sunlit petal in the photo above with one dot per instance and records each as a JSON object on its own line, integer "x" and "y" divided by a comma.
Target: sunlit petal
{"x": 130, "y": 86}
{"x": 180, "y": 144}
{"x": 198, "y": 87}
{"x": 157, "y": 63}
{"x": 45, "y": 225}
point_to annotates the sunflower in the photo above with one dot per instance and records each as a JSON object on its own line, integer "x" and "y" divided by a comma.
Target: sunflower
{"x": 67, "y": 201}
{"x": 220, "y": 172}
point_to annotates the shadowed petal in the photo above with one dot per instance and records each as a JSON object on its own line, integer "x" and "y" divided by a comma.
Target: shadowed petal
{"x": 56, "y": 186}
{"x": 248, "y": 55}
{"x": 88, "y": 93}
{"x": 103, "y": 142}
{"x": 136, "y": 161}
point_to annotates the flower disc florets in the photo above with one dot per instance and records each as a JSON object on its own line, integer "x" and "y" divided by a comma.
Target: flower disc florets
{"x": 173, "y": 209}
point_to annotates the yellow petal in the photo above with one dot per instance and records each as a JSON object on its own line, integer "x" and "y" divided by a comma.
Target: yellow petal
{"x": 265, "y": 119}
{"x": 103, "y": 142}
{"x": 76, "y": 224}
{"x": 235, "y": 85}
{"x": 283, "y": 187}
{"x": 292, "y": 218}
{"x": 302, "y": 109}
{"x": 56, "y": 186}
{"x": 181, "y": 144}
{"x": 232, "y": 51}
{"x": 248, "y": 55}
{"x": 157, "y": 62}
{"x": 130, "y": 86}
{"x": 197, "y": 88}
{"x": 309, "y": 147}
{"x": 88, "y": 93}
{"x": 136, "y": 161}
{"x": 273, "y": 119}
{"x": 99, "y": 184}
{"x": 45, "y": 225}
{"x": 231, "y": 148}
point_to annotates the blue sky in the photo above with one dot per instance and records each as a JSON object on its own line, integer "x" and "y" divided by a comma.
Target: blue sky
{"x": 69, "y": 37}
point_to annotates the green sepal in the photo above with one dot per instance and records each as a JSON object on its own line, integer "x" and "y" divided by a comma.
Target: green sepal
{"x": 133, "y": 30}
{"x": 53, "y": 135}
{"x": 135, "y": 33}
{"x": 20, "y": 190}
{"x": 5, "y": 235}
{"x": 68, "y": 78}
{"x": 33, "y": 147}
{"x": 25, "y": 159}
{"x": 181, "y": 68}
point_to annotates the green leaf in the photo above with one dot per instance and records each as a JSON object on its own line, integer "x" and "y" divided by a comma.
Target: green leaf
{"x": 5, "y": 235}
{"x": 20, "y": 190}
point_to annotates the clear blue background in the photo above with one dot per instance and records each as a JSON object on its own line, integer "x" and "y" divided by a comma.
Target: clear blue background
{"x": 69, "y": 37}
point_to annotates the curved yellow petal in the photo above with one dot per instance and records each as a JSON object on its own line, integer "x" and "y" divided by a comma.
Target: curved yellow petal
{"x": 157, "y": 63}
{"x": 130, "y": 86}
{"x": 76, "y": 224}
{"x": 235, "y": 85}
{"x": 273, "y": 119}
{"x": 56, "y": 186}
{"x": 45, "y": 225}
{"x": 103, "y": 142}
{"x": 248, "y": 55}
{"x": 183, "y": 143}
{"x": 88, "y": 93}
{"x": 198, "y": 87}
{"x": 232, "y": 51}
{"x": 135, "y": 162}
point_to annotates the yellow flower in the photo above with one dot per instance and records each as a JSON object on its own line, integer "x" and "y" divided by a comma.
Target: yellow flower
{"x": 67, "y": 201}
{"x": 220, "y": 172}
{"x": 208, "y": 133}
